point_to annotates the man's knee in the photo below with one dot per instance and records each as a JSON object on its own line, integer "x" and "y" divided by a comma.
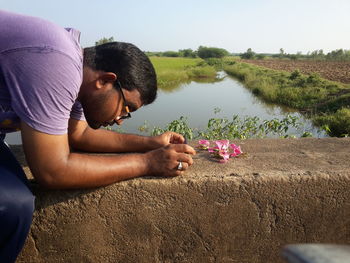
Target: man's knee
{"x": 18, "y": 207}
{"x": 25, "y": 204}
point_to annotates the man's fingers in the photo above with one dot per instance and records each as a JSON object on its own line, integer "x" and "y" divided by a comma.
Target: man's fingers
{"x": 185, "y": 158}
{"x": 184, "y": 167}
{"x": 184, "y": 148}
{"x": 176, "y": 138}
{"x": 165, "y": 161}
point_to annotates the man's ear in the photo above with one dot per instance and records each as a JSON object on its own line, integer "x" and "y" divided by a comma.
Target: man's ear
{"x": 106, "y": 77}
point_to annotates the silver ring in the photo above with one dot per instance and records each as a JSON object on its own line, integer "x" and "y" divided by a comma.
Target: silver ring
{"x": 179, "y": 167}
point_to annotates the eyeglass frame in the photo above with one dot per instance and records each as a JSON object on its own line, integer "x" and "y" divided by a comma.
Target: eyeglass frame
{"x": 128, "y": 115}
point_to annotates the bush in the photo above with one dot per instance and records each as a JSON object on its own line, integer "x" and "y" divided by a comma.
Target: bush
{"x": 211, "y": 52}
{"x": 202, "y": 72}
{"x": 293, "y": 57}
{"x": 249, "y": 54}
{"x": 295, "y": 74}
{"x": 187, "y": 53}
{"x": 337, "y": 124}
{"x": 171, "y": 54}
{"x": 314, "y": 78}
{"x": 260, "y": 56}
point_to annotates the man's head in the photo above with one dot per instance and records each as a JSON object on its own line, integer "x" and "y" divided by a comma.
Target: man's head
{"x": 119, "y": 68}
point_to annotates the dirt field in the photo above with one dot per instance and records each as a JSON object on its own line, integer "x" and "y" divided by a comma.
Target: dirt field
{"x": 332, "y": 70}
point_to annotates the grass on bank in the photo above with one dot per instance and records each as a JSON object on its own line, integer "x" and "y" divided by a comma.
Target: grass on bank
{"x": 327, "y": 101}
{"x": 335, "y": 124}
{"x": 174, "y": 71}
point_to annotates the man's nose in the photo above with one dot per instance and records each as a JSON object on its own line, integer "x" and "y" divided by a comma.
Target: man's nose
{"x": 119, "y": 122}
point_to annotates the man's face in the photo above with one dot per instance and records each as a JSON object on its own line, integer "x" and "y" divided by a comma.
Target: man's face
{"x": 107, "y": 106}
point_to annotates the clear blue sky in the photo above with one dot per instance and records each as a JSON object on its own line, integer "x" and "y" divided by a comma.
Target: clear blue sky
{"x": 160, "y": 25}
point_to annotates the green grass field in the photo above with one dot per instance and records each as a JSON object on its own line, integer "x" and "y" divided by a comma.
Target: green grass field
{"x": 174, "y": 71}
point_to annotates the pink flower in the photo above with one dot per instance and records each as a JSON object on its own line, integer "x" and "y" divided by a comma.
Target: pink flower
{"x": 236, "y": 150}
{"x": 222, "y": 144}
{"x": 223, "y": 149}
{"x": 225, "y": 156}
{"x": 204, "y": 144}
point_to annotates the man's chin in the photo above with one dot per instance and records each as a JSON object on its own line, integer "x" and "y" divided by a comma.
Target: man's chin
{"x": 94, "y": 125}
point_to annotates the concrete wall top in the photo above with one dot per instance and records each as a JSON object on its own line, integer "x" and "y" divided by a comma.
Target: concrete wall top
{"x": 282, "y": 191}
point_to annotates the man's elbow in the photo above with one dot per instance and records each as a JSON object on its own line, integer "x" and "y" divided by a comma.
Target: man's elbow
{"x": 50, "y": 180}
{"x": 46, "y": 181}
{"x": 75, "y": 142}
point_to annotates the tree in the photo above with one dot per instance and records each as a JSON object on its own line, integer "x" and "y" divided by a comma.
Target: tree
{"x": 249, "y": 54}
{"x": 281, "y": 52}
{"x": 338, "y": 54}
{"x": 170, "y": 54}
{"x": 187, "y": 53}
{"x": 211, "y": 52}
{"x": 104, "y": 40}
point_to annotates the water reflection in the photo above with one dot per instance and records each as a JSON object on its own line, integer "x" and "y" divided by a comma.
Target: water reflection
{"x": 177, "y": 86}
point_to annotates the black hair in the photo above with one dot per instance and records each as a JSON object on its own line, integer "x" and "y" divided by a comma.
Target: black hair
{"x": 133, "y": 68}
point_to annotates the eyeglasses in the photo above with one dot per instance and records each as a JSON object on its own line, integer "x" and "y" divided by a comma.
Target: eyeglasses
{"x": 127, "y": 115}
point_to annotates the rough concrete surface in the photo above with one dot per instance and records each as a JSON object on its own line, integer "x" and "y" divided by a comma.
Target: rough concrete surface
{"x": 282, "y": 192}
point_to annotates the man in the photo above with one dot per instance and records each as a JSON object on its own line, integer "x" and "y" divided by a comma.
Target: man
{"x": 58, "y": 97}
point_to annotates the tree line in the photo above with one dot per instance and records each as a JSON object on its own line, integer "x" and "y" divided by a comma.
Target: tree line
{"x": 215, "y": 52}
{"x": 334, "y": 55}
{"x": 202, "y": 52}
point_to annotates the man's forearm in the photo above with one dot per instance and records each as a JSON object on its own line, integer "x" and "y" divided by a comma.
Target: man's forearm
{"x": 85, "y": 171}
{"x": 101, "y": 140}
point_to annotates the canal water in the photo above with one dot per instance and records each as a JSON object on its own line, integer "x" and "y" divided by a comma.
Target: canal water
{"x": 197, "y": 100}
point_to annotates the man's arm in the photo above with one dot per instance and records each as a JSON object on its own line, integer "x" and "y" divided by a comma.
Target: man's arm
{"x": 83, "y": 138}
{"x": 54, "y": 166}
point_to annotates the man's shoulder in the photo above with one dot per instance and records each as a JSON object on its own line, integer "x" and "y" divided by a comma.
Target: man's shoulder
{"x": 21, "y": 31}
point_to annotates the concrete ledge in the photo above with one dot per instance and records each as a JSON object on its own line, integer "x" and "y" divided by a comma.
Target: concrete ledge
{"x": 284, "y": 191}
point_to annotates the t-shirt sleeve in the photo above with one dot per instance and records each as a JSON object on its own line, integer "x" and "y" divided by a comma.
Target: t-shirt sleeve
{"x": 44, "y": 84}
{"x": 77, "y": 112}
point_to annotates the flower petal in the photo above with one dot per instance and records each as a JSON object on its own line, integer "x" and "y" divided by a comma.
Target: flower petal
{"x": 238, "y": 150}
{"x": 224, "y": 155}
{"x": 222, "y": 144}
{"x": 233, "y": 146}
{"x": 204, "y": 142}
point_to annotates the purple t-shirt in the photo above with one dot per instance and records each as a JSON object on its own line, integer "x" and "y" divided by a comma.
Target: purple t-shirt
{"x": 40, "y": 74}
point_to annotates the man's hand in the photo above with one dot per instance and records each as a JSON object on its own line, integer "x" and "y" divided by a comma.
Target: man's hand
{"x": 165, "y": 160}
{"x": 83, "y": 138}
{"x": 167, "y": 138}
